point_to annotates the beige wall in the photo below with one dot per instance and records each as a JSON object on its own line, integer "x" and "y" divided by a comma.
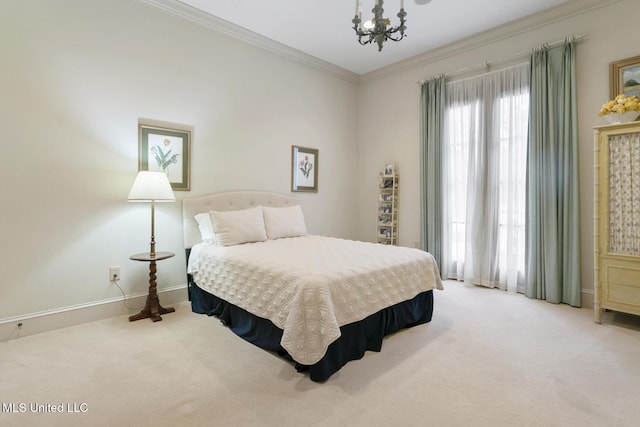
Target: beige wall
{"x": 396, "y": 132}
{"x": 77, "y": 75}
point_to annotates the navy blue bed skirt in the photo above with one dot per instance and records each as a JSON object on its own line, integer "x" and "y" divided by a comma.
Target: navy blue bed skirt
{"x": 355, "y": 340}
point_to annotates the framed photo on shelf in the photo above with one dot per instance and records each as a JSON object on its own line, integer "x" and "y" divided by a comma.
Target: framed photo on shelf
{"x": 304, "y": 169}
{"x": 166, "y": 150}
{"x": 388, "y": 169}
{"x": 625, "y": 77}
{"x": 385, "y": 233}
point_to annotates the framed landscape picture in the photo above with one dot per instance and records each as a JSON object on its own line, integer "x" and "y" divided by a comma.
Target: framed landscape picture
{"x": 304, "y": 169}
{"x": 167, "y": 150}
{"x": 625, "y": 77}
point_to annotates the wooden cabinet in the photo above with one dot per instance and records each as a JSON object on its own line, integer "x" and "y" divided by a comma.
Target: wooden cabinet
{"x": 617, "y": 218}
{"x": 387, "y": 226}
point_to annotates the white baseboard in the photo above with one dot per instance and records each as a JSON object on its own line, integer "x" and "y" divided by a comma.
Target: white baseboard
{"x": 587, "y": 298}
{"x": 36, "y": 323}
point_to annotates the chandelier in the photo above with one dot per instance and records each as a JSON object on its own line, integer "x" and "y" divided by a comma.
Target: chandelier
{"x": 379, "y": 28}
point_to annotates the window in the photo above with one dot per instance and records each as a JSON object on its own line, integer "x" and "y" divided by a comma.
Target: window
{"x": 485, "y": 149}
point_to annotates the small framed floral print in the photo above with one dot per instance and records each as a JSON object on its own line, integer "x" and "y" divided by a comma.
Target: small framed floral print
{"x": 625, "y": 77}
{"x": 167, "y": 150}
{"x": 304, "y": 169}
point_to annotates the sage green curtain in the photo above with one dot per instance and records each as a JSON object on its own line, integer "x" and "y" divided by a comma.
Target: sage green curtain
{"x": 431, "y": 129}
{"x": 553, "y": 211}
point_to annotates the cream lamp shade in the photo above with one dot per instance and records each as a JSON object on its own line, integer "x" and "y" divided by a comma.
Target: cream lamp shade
{"x": 151, "y": 186}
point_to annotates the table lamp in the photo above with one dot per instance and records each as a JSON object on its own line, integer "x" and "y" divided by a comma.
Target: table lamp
{"x": 152, "y": 186}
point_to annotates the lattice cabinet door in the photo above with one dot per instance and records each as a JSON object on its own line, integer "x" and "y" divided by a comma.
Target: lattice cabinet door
{"x": 617, "y": 219}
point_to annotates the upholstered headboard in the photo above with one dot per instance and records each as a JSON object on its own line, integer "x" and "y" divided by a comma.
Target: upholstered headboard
{"x": 226, "y": 202}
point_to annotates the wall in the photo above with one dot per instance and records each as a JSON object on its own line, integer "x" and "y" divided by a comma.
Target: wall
{"x": 396, "y": 136}
{"x": 77, "y": 76}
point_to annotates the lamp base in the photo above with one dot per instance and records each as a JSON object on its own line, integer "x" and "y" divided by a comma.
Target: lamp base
{"x": 152, "y": 308}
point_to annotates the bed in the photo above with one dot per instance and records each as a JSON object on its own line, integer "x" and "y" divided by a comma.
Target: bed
{"x": 317, "y": 301}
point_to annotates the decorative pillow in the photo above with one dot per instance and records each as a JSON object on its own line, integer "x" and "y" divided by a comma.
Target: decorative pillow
{"x": 284, "y": 222}
{"x": 206, "y": 227}
{"x": 237, "y": 227}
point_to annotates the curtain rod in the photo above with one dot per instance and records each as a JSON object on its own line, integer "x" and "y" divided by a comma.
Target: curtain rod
{"x": 485, "y": 66}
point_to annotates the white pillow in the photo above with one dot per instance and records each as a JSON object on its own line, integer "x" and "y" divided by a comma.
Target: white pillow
{"x": 284, "y": 222}
{"x": 206, "y": 227}
{"x": 237, "y": 227}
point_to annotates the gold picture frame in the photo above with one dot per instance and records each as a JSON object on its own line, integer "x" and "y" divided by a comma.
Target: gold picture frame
{"x": 625, "y": 77}
{"x": 168, "y": 150}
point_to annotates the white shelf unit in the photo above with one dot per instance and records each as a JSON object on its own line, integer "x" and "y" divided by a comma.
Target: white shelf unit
{"x": 387, "y": 222}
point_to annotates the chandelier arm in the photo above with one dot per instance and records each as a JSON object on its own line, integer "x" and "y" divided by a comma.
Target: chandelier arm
{"x": 396, "y": 39}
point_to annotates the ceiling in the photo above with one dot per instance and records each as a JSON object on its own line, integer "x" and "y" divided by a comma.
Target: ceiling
{"x": 323, "y": 29}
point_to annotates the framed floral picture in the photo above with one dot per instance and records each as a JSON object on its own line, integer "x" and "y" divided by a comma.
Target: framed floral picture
{"x": 304, "y": 169}
{"x": 625, "y": 77}
{"x": 167, "y": 150}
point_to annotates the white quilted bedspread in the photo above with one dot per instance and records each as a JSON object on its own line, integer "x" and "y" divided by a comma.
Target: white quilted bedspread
{"x": 310, "y": 286}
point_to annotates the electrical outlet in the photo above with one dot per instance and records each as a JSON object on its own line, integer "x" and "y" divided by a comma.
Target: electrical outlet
{"x": 114, "y": 273}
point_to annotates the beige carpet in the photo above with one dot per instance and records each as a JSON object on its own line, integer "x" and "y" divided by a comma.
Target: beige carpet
{"x": 486, "y": 359}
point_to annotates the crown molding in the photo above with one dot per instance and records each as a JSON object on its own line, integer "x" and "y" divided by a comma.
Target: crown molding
{"x": 229, "y": 29}
{"x": 568, "y": 10}
{"x": 539, "y": 20}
